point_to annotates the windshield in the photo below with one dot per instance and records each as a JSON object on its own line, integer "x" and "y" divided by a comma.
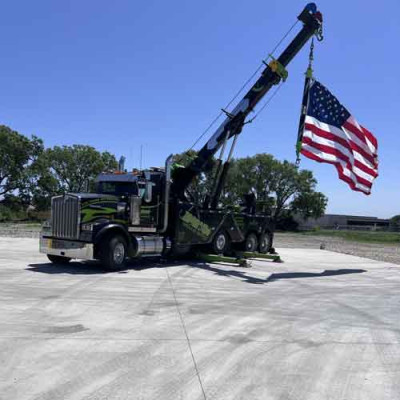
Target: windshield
{"x": 117, "y": 188}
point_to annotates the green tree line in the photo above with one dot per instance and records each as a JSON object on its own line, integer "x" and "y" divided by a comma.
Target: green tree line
{"x": 31, "y": 174}
{"x": 281, "y": 188}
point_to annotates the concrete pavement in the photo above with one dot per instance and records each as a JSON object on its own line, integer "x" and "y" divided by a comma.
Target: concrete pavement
{"x": 320, "y": 326}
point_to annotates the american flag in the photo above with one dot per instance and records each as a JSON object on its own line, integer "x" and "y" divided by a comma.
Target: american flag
{"x": 330, "y": 134}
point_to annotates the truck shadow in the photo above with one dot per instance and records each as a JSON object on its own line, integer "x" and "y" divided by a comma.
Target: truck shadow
{"x": 95, "y": 268}
{"x": 275, "y": 276}
{"x": 87, "y": 268}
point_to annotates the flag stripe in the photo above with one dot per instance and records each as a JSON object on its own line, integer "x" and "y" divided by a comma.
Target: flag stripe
{"x": 351, "y": 146}
{"x": 340, "y": 157}
{"x": 334, "y": 154}
{"x": 371, "y": 138}
{"x": 365, "y": 132}
{"x": 351, "y": 182}
{"x": 359, "y": 133}
{"x": 325, "y": 149}
{"x": 340, "y": 132}
{"x": 346, "y": 135}
{"x": 366, "y": 169}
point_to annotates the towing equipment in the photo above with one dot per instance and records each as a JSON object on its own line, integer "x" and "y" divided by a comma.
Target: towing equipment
{"x": 148, "y": 212}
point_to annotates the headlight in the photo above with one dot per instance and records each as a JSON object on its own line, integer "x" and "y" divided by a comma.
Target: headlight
{"x": 121, "y": 207}
{"x": 87, "y": 227}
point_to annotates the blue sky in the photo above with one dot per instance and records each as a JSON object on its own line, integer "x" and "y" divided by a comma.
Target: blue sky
{"x": 121, "y": 74}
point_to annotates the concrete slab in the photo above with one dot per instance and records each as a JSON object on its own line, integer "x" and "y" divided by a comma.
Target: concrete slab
{"x": 320, "y": 326}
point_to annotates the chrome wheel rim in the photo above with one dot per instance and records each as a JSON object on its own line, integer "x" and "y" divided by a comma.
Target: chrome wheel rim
{"x": 250, "y": 244}
{"x": 221, "y": 241}
{"x": 119, "y": 253}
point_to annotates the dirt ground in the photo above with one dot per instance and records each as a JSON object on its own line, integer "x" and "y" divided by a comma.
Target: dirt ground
{"x": 375, "y": 251}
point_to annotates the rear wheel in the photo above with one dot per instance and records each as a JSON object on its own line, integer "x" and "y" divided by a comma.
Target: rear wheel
{"x": 113, "y": 252}
{"x": 58, "y": 259}
{"x": 220, "y": 243}
{"x": 251, "y": 243}
{"x": 265, "y": 242}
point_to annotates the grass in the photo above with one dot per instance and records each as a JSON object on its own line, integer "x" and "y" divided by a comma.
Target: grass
{"x": 359, "y": 236}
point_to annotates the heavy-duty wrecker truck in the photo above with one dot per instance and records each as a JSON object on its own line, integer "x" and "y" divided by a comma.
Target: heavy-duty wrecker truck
{"x": 148, "y": 213}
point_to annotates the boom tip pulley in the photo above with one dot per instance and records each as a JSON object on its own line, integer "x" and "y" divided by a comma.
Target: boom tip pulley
{"x": 310, "y": 10}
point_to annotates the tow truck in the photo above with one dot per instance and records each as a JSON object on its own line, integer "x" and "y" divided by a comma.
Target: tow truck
{"x": 149, "y": 213}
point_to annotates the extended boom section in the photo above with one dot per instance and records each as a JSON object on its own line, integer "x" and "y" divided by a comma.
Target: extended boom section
{"x": 273, "y": 73}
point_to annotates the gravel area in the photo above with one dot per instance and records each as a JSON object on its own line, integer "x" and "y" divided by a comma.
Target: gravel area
{"x": 374, "y": 251}
{"x": 20, "y": 230}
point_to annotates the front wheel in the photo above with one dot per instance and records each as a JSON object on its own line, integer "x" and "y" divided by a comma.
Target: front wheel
{"x": 58, "y": 259}
{"x": 113, "y": 252}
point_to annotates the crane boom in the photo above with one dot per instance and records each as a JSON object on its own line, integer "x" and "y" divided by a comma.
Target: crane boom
{"x": 273, "y": 73}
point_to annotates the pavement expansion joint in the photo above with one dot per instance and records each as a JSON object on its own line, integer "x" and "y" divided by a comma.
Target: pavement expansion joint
{"x": 186, "y": 334}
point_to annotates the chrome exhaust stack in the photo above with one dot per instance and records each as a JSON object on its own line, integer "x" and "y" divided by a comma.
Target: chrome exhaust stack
{"x": 168, "y": 164}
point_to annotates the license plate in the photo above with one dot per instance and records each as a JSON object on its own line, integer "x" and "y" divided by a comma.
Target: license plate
{"x": 49, "y": 243}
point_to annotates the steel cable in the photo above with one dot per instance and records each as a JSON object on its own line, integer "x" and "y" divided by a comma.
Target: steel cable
{"x": 242, "y": 88}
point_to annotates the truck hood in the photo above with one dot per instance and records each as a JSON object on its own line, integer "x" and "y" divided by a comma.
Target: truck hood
{"x": 92, "y": 196}
{"x": 96, "y": 207}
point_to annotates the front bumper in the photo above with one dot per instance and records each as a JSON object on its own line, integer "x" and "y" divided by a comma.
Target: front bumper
{"x": 66, "y": 248}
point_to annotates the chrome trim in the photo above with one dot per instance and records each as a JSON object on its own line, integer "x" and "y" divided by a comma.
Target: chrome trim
{"x": 70, "y": 249}
{"x": 149, "y": 246}
{"x": 119, "y": 253}
{"x": 168, "y": 163}
{"x": 167, "y": 245}
{"x": 141, "y": 229}
{"x": 134, "y": 214}
{"x": 65, "y": 216}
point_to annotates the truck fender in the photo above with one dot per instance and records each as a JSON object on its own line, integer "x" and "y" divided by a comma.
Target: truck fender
{"x": 114, "y": 229}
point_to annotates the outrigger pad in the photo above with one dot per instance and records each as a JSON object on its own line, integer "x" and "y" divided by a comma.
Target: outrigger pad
{"x": 251, "y": 255}
{"x": 242, "y": 259}
{"x": 217, "y": 258}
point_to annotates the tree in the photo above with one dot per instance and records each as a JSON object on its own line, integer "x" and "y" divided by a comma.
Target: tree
{"x": 394, "y": 223}
{"x": 17, "y": 154}
{"x": 67, "y": 169}
{"x": 309, "y": 204}
{"x": 280, "y": 186}
{"x": 273, "y": 181}
{"x": 251, "y": 174}
{"x": 201, "y": 185}
{"x": 293, "y": 185}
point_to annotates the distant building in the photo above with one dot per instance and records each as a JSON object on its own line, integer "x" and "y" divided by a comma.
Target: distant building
{"x": 338, "y": 221}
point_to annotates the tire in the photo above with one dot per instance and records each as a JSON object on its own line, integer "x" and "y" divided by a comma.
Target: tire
{"x": 265, "y": 242}
{"x": 58, "y": 259}
{"x": 220, "y": 243}
{"x": 251, "y": 243}
{"x": 113, "y": 252}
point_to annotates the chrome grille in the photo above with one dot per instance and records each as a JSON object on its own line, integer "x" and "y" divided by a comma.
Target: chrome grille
{"x": 65, "y": 217}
